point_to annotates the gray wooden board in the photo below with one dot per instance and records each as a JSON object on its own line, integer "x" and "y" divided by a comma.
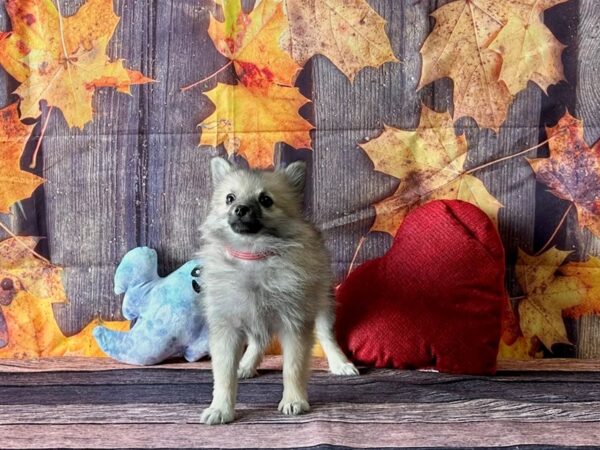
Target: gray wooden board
{"x": 588, "y": 109}
{"x": 380, "y": 408}
{"x": 373, "y": 386}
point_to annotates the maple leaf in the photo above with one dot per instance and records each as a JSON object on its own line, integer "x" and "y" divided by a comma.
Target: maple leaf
{"x": 27, "y": 272}
{"x": 15, "y": 184}
{"x": 62, "y": 60}
{"x": 429, "y": 163}
{"x": 588, "y": 273}
{"x": 29, "y": 286}
{"x": 547, "y": 294}
{"x": 459, "y": 48}
{"x": 32, "y": 331}
{"x": 254, "y": 43}
{"x": 572, "y": 171}
{"x": 84, "y": 343}
{"x": 521, "y": 349}
{"x": 31, "y": 328}
{"x": 529, "y": 51}
{"x": 249, "y": 121}
{"x": 348, "y": 32}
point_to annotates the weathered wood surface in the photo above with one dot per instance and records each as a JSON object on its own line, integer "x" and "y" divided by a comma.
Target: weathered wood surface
{"x": 588, "y": 108}
{"x": 135, "y": 176}
{"x": 154, "y": 407}
{"x": 270, "y": 362}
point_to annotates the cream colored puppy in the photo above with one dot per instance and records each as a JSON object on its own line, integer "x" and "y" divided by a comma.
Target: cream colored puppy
{"x": 266, "y": 273}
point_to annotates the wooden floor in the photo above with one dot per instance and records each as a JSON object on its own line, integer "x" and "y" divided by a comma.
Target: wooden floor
{"x": 102, "y": 404}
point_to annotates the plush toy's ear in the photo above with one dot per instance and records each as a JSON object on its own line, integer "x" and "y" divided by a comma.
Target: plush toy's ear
{"x": 138, "y": 266}
{"x": 219, "y": 167}
{"x": 296, "y": 174}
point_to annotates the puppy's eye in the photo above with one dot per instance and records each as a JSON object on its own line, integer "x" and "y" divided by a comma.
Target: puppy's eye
{"x": 229, "y": 199}
{"x": 265, "y": 200}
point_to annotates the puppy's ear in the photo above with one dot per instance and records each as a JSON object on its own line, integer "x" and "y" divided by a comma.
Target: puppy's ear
{"x": 219, "y": 167}
{"x": 296, "y": 174}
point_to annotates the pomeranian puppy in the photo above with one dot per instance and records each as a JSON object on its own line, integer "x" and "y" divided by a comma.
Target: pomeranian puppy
{"x": 266, "y": 273}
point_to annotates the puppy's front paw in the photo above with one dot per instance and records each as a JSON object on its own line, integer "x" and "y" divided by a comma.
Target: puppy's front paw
{"x": 246, "y": 372}
{"x": 344, "y": 368}
{"x": 293, "y": 407}
{"x": 216, "y": 416}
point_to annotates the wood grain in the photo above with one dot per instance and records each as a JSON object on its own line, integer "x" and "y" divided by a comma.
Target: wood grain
{"x": 160, "y": 407}
{"x": 587, "y": 108}
{"x": 270, "y": 362}
{"x": 93, "y": 184}
{"x": 298, "y": 435}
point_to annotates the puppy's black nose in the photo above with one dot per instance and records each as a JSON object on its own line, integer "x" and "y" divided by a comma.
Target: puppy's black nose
{"x": 241, "y": 210}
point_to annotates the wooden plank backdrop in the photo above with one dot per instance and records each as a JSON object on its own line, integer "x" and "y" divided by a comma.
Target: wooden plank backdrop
{"x": 86, "y": 403}
{"x": 135, "y": 176}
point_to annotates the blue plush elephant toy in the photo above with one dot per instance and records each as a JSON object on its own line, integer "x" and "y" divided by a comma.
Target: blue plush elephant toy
{"x": 167, "y": 312}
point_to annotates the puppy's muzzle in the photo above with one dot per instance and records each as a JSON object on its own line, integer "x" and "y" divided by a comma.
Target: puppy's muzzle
{"x": 245, "y": 219}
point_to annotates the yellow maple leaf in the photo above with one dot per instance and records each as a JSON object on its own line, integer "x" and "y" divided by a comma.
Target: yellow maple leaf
{"x": 588, "y": 273}
{"x": 15, "y": 184}
{"x": 31, "y": 328}
{"x": 29, "y": 286}
{"x": 255, "y": 42}
{"x": 459, "y": 48}
{"x": 84, "y": 343}
{"x": 547, "y": 294}
{"x": 529, "y": 51}
{"x": 26, "y": 271}
{"x": 62, "y": 60}
{"x": 33, "y": 332}
{"x": 249, "y": 121}
{"x": 429, "y": 164}
{"x": 348, "y": 32}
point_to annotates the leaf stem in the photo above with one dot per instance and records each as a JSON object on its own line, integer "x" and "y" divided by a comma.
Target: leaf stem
{"x": 186, "y": 88}
{"x": 40, "y": 139}
{"x": 504, "y": 158}
{"x": 560, "y": 224}
{"x": 356, "y": 252}
{"x": 23, "y": 244}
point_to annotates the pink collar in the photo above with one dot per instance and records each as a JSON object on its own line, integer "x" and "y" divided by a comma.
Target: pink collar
{"x": 248, "y": 256}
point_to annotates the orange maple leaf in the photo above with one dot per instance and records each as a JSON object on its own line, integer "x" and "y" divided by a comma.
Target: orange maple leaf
{"x": 249, "y": 121}
{"x": 62, "y": 60}
{"x": 588, "y": 273}
{"x": 429, "y": 164}
{"x": 522, "y": 349}
{"x": 572, "y": 171}
{"x": 29, "y": 286}
{"x": 461, "y": 47}
{"x": 254, "y": 43}
{"x": 15, "y": 184}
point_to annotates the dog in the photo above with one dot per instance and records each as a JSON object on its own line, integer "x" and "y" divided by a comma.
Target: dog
{"x": 266, "y": 273}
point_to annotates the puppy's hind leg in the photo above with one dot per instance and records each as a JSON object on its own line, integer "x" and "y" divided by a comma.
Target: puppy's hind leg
{"x": 252, "y": 357}
{"x": 338, "y": 363}
{"x": 225, "y": 349}
{"x": 297, "y": 348}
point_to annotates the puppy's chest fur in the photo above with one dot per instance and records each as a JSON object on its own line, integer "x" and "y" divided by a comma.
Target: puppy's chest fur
{"x": 264, "y": 294}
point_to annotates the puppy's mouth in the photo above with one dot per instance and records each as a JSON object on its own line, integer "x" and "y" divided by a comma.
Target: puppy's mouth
{"x": 246, "y": 226}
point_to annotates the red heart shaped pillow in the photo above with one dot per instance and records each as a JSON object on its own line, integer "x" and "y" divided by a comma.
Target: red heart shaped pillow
{"x": 435, "y": 299}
